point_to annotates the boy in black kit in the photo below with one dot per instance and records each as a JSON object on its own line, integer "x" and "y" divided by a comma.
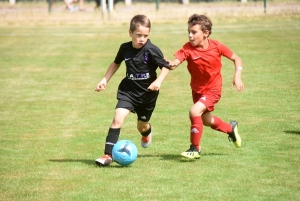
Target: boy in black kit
{"x": 139, "y": 90}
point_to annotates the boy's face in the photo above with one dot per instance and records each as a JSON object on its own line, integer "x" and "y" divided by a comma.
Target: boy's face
{"x": 139, "y": 36}
{"x": 196, "y": 36}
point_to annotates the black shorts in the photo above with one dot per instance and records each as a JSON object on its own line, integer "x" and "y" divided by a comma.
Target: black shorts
{"x": 144, "y": 112}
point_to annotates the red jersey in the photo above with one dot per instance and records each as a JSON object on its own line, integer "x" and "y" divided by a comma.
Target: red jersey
{"x": 204, "y": 65}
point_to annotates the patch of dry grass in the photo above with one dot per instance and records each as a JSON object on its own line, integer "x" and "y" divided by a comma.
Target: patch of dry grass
{"x": 37, "y": 13}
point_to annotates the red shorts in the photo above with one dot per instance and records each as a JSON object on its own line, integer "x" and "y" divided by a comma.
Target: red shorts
{"x": 209, "y": 99}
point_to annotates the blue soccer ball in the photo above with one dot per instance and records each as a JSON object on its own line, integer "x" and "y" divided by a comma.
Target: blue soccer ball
{"x": 124, "y": 152}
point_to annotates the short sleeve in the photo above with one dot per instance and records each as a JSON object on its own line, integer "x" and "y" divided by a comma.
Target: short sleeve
{"x": 158, "y": 57}
{"x": 119, "y": 57}
{"x": 225, "y": 51}
{"x": 182, "y": 54}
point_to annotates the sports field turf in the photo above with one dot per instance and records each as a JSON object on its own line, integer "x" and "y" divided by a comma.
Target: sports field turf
{"x": 53, "y": 124}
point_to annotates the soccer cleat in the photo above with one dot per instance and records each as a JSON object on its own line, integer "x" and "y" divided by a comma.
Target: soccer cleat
{"x": 146, "y": 140}
{"x": 234, "y": 135}
{"x": 192, "y": 153}
{"x": 104, "y": 161}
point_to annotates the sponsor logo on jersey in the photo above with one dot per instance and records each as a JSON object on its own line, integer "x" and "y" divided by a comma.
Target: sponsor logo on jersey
{"x": 146, "y": 58}
{"x": 195, "y": 58}
{"x": 126, "y": 59}
{"x": 138, "y": 76}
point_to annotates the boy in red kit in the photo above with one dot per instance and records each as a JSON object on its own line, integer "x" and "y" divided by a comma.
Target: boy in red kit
{"x": 203, "y": 58}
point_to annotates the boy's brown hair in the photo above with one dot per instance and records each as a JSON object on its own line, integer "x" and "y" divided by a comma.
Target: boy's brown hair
{"x": 202, "y": 20}
{"x": 139, "y": 20}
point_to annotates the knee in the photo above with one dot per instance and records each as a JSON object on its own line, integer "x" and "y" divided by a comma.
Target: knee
{"x": 117, "y": 123}
{"x": 193, "y": 113}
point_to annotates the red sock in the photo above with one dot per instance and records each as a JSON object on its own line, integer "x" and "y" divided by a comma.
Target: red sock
{"x": 220, "y": 125}
{"x": 196, "y": 131}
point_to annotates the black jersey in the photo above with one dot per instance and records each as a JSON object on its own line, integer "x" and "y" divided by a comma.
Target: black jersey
{"x": 141, "y": 66}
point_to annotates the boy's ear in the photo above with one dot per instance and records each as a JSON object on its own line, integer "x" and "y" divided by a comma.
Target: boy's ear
{"x": 130, "y": 33}
{"x": 206, "y": 33}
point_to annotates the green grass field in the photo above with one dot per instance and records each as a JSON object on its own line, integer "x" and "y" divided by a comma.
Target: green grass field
{"x": 53, "y": 124}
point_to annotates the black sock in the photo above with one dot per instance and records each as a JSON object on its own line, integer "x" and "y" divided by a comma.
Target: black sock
{"x": 147, "y": 132}
{"x": 111, "y": 140}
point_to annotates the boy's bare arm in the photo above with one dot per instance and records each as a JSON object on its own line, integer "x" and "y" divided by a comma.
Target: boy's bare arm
{"x": 113, "y": 67}
{"x": 155, "y": 86}
{"x": 237, "y": 81}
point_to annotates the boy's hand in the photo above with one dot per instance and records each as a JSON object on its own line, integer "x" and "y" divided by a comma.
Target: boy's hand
{"x": 239, "y": 85}
{"x": 154, "y": 86}
{"x": 101, "y": 85}
{"x": 173, "y": 64}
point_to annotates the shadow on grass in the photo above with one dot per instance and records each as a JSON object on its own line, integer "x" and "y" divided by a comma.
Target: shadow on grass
{"x": 292, "y": 132}
{"x": 176, "y": 157}
{"x": 88, "y": 162}
{"x": 85, "y": 161}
